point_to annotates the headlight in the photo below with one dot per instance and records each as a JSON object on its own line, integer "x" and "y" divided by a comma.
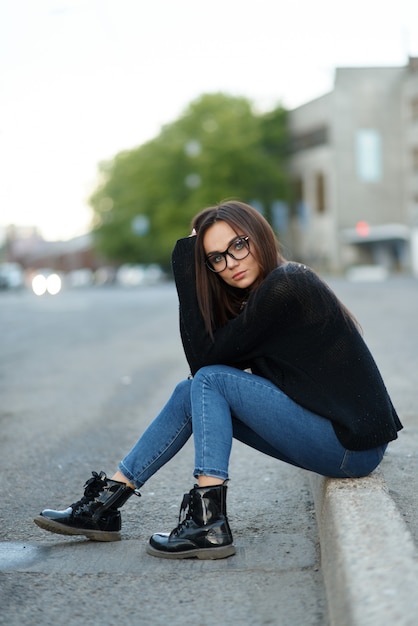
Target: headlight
{"x": 53, "y": 284}
{"x": 46, "y": 284}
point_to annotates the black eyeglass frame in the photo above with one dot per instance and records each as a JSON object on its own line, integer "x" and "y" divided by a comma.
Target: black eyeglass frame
{"x": 226, "y": 253}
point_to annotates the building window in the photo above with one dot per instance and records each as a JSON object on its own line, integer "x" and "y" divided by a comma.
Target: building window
{"x": 320, "y": 192}
{"x": 368, "y": 155}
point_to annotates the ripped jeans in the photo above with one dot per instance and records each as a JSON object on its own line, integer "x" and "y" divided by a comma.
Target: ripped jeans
{"x": 222, "y": 403}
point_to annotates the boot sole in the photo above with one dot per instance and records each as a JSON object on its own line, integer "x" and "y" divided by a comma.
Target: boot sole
{"x": 221, "y": 552}
{"x": 60, "y": 529}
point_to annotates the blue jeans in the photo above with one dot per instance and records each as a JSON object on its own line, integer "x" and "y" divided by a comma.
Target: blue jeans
{"x": 221, "y": 403}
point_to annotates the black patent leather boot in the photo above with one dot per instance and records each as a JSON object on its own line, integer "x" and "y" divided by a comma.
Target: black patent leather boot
{"x": 204, "y": 533}
{"x": 95, "y": 516}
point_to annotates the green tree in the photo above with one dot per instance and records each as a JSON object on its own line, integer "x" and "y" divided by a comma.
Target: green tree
{"x": 219, "y": 148}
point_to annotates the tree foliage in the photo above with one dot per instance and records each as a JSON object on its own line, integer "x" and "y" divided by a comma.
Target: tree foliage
{"x": 219, "y": 148}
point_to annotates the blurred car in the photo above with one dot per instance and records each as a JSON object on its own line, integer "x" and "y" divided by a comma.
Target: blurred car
{"x": 133, "y": 275}
{"x": 130, "y": 275}
{"x": 367, "y": 273}
{"x": 80, "y": 278}
{"x": 105, "y": 275}
{"x": 46, "y": 281}
{"x": 11, "y": 276}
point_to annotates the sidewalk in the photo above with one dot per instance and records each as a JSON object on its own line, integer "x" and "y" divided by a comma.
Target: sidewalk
{"x": 367, "y": 527}
{"x": 369, "y": 561}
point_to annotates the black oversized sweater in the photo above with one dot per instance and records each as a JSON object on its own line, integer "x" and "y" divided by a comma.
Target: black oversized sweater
{"x": 293, "y": 332}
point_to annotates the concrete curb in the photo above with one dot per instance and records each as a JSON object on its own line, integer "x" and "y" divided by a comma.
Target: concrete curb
{"x": 369, "y": 561}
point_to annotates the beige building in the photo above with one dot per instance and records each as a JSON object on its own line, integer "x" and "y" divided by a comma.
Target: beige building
{"x": 354, "y": 162}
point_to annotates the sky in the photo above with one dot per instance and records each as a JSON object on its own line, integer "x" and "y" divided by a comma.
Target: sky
{"x": 81, "y": 80}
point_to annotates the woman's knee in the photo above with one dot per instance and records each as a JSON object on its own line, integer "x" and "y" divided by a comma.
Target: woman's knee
{"x": 181, "y": 394}
{"x": 209, "y": 372}
{"x": 183, "y": 387}
{"x": 206, "y": 377}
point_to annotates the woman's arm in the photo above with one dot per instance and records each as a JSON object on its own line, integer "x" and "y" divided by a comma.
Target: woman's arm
{"x": 242, "y": 338}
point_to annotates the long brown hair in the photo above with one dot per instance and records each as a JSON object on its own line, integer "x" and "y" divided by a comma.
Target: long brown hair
{"x": 219, "y": 302}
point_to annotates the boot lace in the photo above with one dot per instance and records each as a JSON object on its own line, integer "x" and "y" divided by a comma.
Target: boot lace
{"x": 93, "y": 487}
{"x": 184, "y": 515}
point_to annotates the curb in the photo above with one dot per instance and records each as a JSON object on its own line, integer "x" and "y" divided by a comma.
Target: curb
{"x": 369, "y": 560}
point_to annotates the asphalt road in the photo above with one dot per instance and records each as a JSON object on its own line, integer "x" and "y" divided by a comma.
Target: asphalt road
{"x": 81, "y": 375}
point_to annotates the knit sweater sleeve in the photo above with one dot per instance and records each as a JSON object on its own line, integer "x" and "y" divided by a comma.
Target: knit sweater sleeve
{"x": 242, "y": 338}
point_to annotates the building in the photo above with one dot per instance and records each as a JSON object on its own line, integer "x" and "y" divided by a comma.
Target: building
{"x": 25, "y": 246}
{"x": 354, "y": 164}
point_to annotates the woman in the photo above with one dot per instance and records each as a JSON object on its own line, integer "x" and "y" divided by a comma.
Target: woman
{"x": 277, "y": 362}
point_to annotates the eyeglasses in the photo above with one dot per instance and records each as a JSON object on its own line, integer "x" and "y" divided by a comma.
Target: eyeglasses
{"x": 239, "y": 249}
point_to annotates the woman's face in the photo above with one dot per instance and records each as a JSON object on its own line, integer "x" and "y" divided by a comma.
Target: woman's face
{"x": 238, "y": 273}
